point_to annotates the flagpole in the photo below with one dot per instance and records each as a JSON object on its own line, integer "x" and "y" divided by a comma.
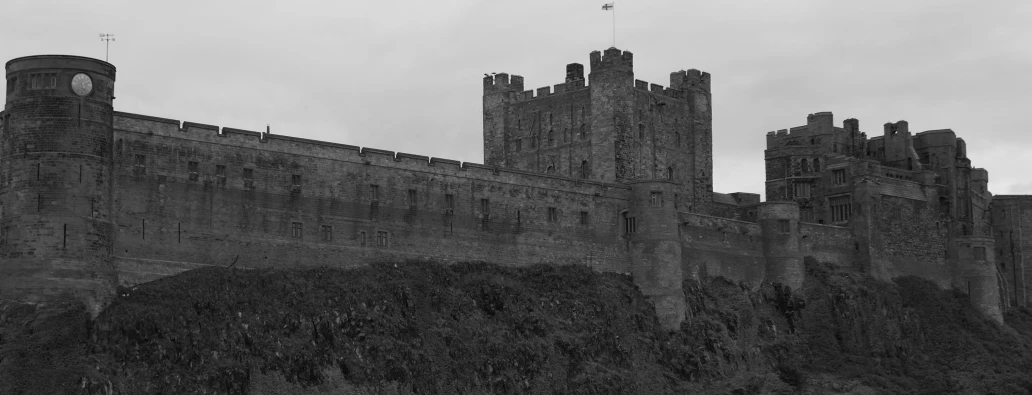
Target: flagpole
{"x": 614, "y": 24}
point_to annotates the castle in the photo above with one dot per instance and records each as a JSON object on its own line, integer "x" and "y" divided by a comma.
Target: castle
{"x": 605, "y": 171}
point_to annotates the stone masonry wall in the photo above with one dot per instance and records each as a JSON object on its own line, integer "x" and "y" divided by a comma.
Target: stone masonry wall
{"x": 715, "y": 246}
{"x": 169, "y": 221}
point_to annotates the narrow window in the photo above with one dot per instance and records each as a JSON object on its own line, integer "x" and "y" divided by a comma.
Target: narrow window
{"x": 412, "y": 196}
{"x": 519, "y": 145}
{"x": 584, "y": 218}
{"x": 381, "y": 239}
{"x": 449, "y": 204}
{"x": 64, "y": 236}
{"x": 192, "y": 168}
{"x": 656, "y": 199}
{"x": 783, "y": 225}
{"x": 295, "y": 230}
{"x": 804, "y": 165}
{"x": 677, "y": 139}
{"x": 533, "y": 141}
{"x": 143, "y": 229}
{"x": 140, "y": 165}
{"x": 519, "y": 218}
{"x": 553, "y": 214}
{"x": 327, "y": 233}
{"x": 585, "y": 171}
{"x": 670, "y": 173}
{"x": 551, "y": 138}
{"x": 39, "y": 202}
{"x": 583, "y": 131}
{"x": 93, "y": 212}
{"x": 641, "y": 130}
{"x": 295, "y": 183}
{"x": 362, "y": 238}
{"x": 179, "y": 232}
{"x": 39, "y": 169}
{"x": 80, "y": 174}
{"x": 220, "y": 175}
{"x": 248, "y": 178}
{"x": 485, "y": 212}
{"x": 374, "y": 192}
{"x": 816, "y": 164}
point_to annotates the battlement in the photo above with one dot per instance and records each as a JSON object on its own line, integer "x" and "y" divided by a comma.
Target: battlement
{"x": 501, "y": 82}
{"x": 546, "y": 91}
{"x": 612, "y": 59}
{"x": 164, "y": 127}
{"x": 659, "y": 89}
{"x": 690, "y": 79}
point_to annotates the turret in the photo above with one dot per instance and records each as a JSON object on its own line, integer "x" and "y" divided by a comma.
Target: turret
{"x": 499, "y": 94}
{"x": 56, "y": 186}
{"x": 650, "y": 224}
{"x": 612, "y": 87}
{"x": 779, "y": 222}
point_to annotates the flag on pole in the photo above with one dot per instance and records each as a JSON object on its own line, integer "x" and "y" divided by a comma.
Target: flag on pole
{"x": 608, "y": 6}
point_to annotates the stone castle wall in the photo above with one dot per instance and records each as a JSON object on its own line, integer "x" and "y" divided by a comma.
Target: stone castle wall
{"x": 168, "y": 221}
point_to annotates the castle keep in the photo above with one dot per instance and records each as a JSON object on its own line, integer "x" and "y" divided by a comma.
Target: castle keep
{"x": 601, "y": 170}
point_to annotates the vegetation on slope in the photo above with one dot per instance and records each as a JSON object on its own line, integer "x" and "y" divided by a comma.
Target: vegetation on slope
{"x": 420, "y": 327}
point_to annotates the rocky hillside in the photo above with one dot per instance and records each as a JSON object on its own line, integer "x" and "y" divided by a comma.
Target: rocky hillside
{"x": 424, "y": 328}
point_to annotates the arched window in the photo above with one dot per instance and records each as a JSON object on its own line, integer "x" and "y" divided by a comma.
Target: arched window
{"x": 816, "y": 164}
{"x": 550, "y": 169}
{"x": 585, "y": 171}
{"x": 583, "y": 130}
{"x": 670, "y": 173}
{"x": 804, "y": 165}
{"x": 551, "y": 138}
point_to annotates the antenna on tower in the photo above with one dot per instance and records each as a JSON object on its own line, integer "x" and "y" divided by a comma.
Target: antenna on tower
{"x": 107, "y": 38}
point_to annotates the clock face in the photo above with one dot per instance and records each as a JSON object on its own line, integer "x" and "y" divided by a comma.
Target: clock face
{"x": 82, "y": 85}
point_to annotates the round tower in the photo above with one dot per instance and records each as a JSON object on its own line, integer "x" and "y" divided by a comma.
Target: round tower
{"x": 779, "y": 222}
{"x": 650, "y": 225}
{"x": 55, "y": 180}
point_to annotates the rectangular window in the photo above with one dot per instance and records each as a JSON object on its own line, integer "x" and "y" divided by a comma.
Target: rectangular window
{"x": 784, "y": 226}
{"x": 140, "y": 164}
{"x": 979, "y": 254}
{"x": 840, "y": 208}
{"x": 553, "y": 214}
{"x": 327, "y": 232}
{"x": 295, "y": 183}
{"x": 295, "y": 230}
{"x": 838, "y": 176}
{"x": 248, "y": 178}
{"x": 220, "y": 175}
{"x": 412, "y": 198}
{"x": 374, "y": 192}
{"x": 192, "y": 169}
{"x": 584, "y": 218}
{"x": 519, "y": 145}
{"x": 362, "y": 238}
{"x": 656, "y": 199}
{"x": 485, "y": 214}
{"x": 801, "y": 190}
{"x": 630, "y": 226}
{"x": 449, "y": 204}
{"x": 381, "y": 239}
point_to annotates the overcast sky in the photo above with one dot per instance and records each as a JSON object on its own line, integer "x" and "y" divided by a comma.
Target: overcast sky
{"x": 406, "y": 75}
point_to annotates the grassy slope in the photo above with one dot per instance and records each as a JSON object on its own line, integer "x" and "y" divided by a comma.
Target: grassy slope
{"x": 476, "y": 328}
